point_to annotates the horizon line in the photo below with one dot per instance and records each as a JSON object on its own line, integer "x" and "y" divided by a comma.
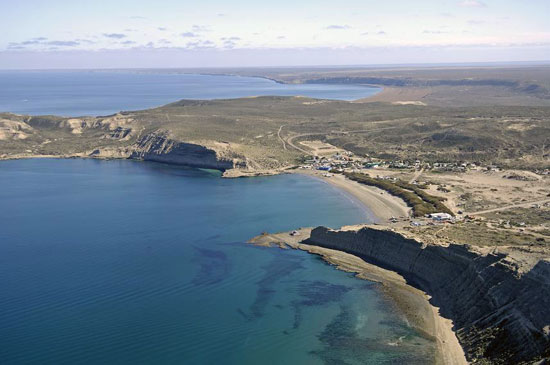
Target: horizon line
{"x": 373, "y": 65}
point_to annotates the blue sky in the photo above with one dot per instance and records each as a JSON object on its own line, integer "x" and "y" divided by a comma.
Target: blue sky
{"x": 170, "y": 33}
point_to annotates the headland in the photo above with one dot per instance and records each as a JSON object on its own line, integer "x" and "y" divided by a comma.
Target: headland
{"x": 453, "y": 164}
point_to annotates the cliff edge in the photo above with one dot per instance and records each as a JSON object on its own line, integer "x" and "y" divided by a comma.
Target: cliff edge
{"x": 159, "y": 147}
{"x": 498, "y": 299}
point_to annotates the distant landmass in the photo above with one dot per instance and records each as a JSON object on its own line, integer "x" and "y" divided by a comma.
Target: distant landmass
{"x": 453, "y": 160}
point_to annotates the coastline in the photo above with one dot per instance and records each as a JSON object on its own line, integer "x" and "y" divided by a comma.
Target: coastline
{"x": 376, "y": 203}
{"x": 413, "y": 303}
{"x": 382, "y": 205}
{"x": 398, "y": 95}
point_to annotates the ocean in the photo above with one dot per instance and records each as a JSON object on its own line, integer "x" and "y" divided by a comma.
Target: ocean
{"x": 124, "y": 262}
{"x": 83, "y": 93}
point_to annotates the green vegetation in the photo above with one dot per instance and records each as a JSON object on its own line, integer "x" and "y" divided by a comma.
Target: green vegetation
{"x": 479, "y": 234}
{"x": 260, "y": 127}
{"x": 521, "y": 216}
{"x": 421, "y": 202}
{"x": 510, "y": 137}
{"x": 435, "y": 201}
{"x": 449, "y": 87}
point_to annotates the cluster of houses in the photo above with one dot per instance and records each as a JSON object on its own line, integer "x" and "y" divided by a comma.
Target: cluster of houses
{"x": 347, "y": 160}
{"x": 337, "y": 162}
{"x": 438, "y": 166}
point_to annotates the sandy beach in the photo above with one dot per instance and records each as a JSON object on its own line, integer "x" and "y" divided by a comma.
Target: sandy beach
{"x": 382, "y": 205}
{"x": 412, "y": 302}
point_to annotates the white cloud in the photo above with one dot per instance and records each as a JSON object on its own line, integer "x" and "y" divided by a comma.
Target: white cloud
{"x": 338, "y": 26}
{"x": 472, "y": 4}
{"x": 429, "y": 31}
{"x": 200, "y": 28}
{"x": 475, "y": 22}
{"x": 204, "y": 55}
{"x": 114, "y": 35}
{"x": 200, "y": 45}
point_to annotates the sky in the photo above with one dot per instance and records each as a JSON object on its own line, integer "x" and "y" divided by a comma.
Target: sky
{"x": 171, "y": 33}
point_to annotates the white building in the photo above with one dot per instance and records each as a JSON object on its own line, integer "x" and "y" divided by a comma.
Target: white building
{"x": 441, "y": 217}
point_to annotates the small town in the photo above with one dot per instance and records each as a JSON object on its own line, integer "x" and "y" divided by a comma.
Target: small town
{"x": 395, "y": 171}
{"x": 348, "y": 161}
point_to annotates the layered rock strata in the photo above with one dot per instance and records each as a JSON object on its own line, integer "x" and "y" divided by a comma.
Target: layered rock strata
{"x": 159, "y": 147}
{"x": 499, "y": 301}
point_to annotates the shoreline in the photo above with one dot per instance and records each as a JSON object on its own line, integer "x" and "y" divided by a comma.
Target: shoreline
{"x": 413, "y": 303}
{"x": 381, "y": 204}
{"x": 380, "y": 88}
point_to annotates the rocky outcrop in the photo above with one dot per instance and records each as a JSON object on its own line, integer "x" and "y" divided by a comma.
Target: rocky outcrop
{"x": 123, "y": 152}
{"x": 159, "y": 147}
{"x": 117, "y": 127}
{"x": 14, "y": 130}
{"x": 499, "y": 302}
{"x": 114, "y": 137}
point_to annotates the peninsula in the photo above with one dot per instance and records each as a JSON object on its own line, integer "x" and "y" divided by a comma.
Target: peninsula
{"x": 453, "y": 162}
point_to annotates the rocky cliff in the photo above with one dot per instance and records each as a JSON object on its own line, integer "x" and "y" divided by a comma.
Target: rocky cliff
{"x": 160, "y": 147}
{"x": 117, "y": 136}
{"x": 499, "y": 301}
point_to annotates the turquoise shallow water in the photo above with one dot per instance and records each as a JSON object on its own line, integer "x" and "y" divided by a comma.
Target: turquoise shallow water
{"x": 120, "y": 262}
{"x": 77, "y": 93}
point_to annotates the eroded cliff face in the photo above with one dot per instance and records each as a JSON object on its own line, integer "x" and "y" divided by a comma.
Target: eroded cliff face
{"x": 14, "y": 130}
{"x": 499, "y": 303}
{"x": 117, "y": 137}
{"x": 160, "y": 147}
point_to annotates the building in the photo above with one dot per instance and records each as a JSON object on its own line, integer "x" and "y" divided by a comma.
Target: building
{"x": 441, "y": 217}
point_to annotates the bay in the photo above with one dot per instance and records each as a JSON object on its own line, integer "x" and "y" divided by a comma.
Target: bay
{"x": 83, "y": 93}
{"x": 122, "y": 262}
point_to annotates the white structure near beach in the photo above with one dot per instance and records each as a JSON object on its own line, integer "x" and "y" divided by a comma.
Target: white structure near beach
{"x": 441, "y": 217}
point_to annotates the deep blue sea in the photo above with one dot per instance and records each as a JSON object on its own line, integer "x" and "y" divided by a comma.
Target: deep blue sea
{"x": 79, "y": 93}
{"x": 121, "y": 262}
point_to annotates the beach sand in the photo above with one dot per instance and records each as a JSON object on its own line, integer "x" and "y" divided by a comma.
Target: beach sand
{"x": 382, "y": 205}
{"x": 412, "y": 302}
